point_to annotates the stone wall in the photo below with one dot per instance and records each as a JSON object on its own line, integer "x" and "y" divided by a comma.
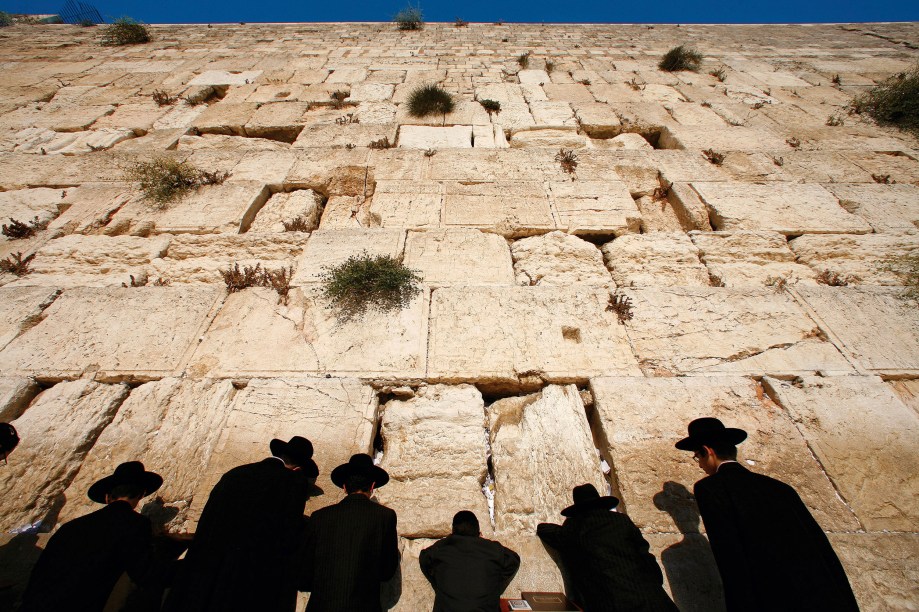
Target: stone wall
{"x": 760, "y": 288}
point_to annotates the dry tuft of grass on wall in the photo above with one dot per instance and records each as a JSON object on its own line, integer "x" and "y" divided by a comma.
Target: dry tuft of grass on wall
{"x": 681, "y": 58}
{"x": 125, "y": 31}
{"x": 367, "y": 283}
{"x": 164, "y": 180}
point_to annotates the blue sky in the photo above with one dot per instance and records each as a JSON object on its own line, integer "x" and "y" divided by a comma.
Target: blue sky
{"x": 550, "y": 11}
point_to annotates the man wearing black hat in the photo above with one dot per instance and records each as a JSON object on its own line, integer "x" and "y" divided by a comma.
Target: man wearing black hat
{"x": 771, "y": 553}
{"x": 9, "y": 440}
{"x": 468, "y": 572}
{"x": 351, "y": 547}
{"x": 605, "y": 557}
{"x": 85, "y": 557}
{"x": 240, "y": 558}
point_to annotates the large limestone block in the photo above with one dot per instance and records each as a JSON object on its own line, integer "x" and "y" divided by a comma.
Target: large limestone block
{"x": 727, "y": 138}
{"x": 908, "y": 392}
{"x": 655, "y": 260}
{"x": 338, "y": 415}
{"x": 557, "y": 258}
{"x": 303, "y": 204}
{"x": 541, "y": 447}
{"x": 93, "y": 261}
{"x": 487, "y": 206}
{"x": 348, "y": 135}
{"x": 786, "y": 208}
{"x": 882, "y": 568}
{"x": 56, "y": 432}
{"x": 749, "y": 258}
{"x": 857, "y": 259}
{"x": 135, "y": 332}
{"x": 640, "y": 419}
{"x": 425, "y": 137}
{"x": 136, "y": 117}
{"x": 594, "y": 207}
{"x": 515, "y": 165}
{"x": 538, "y": 570}
{"x": 417, "y": 593}
{"x": 434, "y": 451}
{"x": 597, "y": 120}
{"x": 281, "y": 121}
{"x": 874, "y": 326}
{"x": 26, "y": 204}
{"x": 265, "y": 166}
{"x": 445, "y": 258}
{"x": 225, "y": 77}
{"x": 707, "y": 330}
{"x": 406, "y": 204}
{"x": 551, "y": 138}
{"x": 521, "y": 335}
{"x": 327, "y": 248}
{"x": 867, "y": 441}
{"x": 888, "y": 208}
{"x": 254, "y": 335}
{"x": 690, "y": 573}
{"x": 172, "y": 426}
{"x": 22, "y": 308}
{"x": 201, "y": 259}
{"x": 90, "y": 207}
{"x": 225, "y": 118}
{"x": 15, "y": 395}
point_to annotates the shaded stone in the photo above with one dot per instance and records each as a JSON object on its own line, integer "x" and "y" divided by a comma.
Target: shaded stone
{"x": 594, "y": 207}
{"x": 15, "y": 395}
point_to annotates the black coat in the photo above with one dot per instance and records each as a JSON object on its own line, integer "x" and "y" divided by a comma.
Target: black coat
{"x": 351, "y": 547}
{"x": 608, "y": 563}
{"x": 771, "y": 553}
{"x": 468, "y": 573}
{"x": 240, "y": 558}
{"x": 85, "y": 558}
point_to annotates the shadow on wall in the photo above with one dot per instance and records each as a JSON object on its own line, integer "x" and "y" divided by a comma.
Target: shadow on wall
{"x": 17, "y": 557}
{"x": 695, "y": 583}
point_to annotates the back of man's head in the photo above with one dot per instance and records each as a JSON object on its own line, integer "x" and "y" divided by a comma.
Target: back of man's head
{"x": 128, "y": 492}
{"x": 358, "y": 483}
{"x": 465, "y": 523}
{"x": 724, "y": 451}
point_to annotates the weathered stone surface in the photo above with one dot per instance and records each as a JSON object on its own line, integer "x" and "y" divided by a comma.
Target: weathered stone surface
{"x": 459, "y": 257}
{"x": 557, "y": 258}
{"x": 704, "y": 330}
{"x": 881, "y": 568}
{"x": 90, "y": 207}
{"x": 907, "y": 391}
{"x": 508, "y": 336}
{"x": 888, "y": 208}
{"x": 690, "y": 573}
{"x": 21, "y": 309}
{"x": 750, "y": 258}
{"x": 867, "y": 441}
{"x": 725, "y": 139}
{"x": 417, "y": 593}
{"x": 406, "y": 204}
{"x": 487, "y": 207}
{"x": 597, "y": 120}
{"x": 786, "y": 208}
{"x": 201, "y": 259}
{"x": 541, "y": 447}
{"x": 425, "y": 137}
{"x": 566, "y": 138}
{"x": 15, "y": 395}
{"x": 281, "y": 121}
{"x": 874, "y": 326}
{"x": 26, "y": 204}
{"x": 337, "y": 415}
{"x": 305, "y": 336}
{"x": 56, "y": 432}
{"x": 172, "y": 426}
{"x": 538, "y": 571}
{"x": 594, "y": 207}
{"x": 327, "y": 248}
{"x": 142, "y": 332}
{"x": 303, "y": 204}
{"x": 640, "y": 419}
{"x": 226, "y": 77}
{"x": 434, "y": 451}
{"x": 655, "y": 260}
{"x": 856, "y": 259}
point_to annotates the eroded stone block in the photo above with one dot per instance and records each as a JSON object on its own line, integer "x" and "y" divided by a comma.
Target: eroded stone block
{"x": 594, "y": 207}
{"x": 557, "y": 258}
{"x": 487, "y": 206}
{"x": 888, "y": 208}
{"x": 22, "y": 308}
{"x": 655, "y": 260}
{"x": 860, "y": 259}
{"x": 15, "y": 395}
{"x": 750, "y": 258}
{"x": 425, "y": 137}
{"x": 26, "y": 204}
{"x": 459, "y": 257}
{"x": 407, "y": 204}
{"x": 881, "y": 568}
{"x": 327, "y": 248}
{"x": 303, "y": 204}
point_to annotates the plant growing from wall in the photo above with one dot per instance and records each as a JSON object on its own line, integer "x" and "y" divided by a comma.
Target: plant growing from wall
{"x": 237, "y": 279}
{"x": 409, "y": 18}
{"x": 163, "y": 98}
{"x": 622, "y": 306}
{"x": 681, "y": 58}
{"x": 164, "y": 180}
{"x": 719, "y": 74}
{"x": 367, "y": 283}
{"x": 490, "y": 106}
{"x": 298, "y": 224}
{"x": 5, "y": 19}
{"x": 524, "y": 59}
{"x": 568, "y": 160}
{"x": 17, "y": 230}
{"x": 893, "y": 102}
{"x": 429, "y": 100}
{"x": 125, "y": 31}
{"x": 17, "y": 264}
{"x": 906, "y": 268}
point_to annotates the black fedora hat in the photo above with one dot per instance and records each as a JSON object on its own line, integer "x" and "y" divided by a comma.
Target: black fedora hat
{"x": 586, "y": 497}
{"x": 299, "y": 450}
{"x": 361, "y": 464}
{"x": 709, "y": 430}
{"x": 130, "y": 473}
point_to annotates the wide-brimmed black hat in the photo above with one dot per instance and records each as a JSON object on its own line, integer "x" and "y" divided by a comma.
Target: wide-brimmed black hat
{"x": 130, "y": 473}
{"x": 360, "y": 464}
{"x": 707, "y": 431}
{"x": 299, "y": 450}
{"x": 9, "y": 439}
{"x": 586, "y": 497}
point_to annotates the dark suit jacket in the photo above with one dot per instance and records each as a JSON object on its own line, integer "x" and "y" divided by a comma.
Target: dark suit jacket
{"x": 241, "y": 556}
{"x": 608, "y": 563}
{"x": 85, "y": 558}
{"x": 350, "y": 549}
{"x": 468, "y": 573}
{"x": 771, "y": 553}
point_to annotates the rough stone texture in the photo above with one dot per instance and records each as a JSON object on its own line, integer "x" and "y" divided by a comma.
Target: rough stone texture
{"x": 557, "y": 258}
{"x": 857, "y": 259}
{"x": 779, "y": 207}
{"x": 56, "y": 432}
{"x": 640, "y": 260}
{"x": 640, "y": 419}
{"x": 688, "y": 330}
{"x": 445, "y": 258}
{"x": 26, "y": 204}
{"x": 867, "y": 441}
{"x": 875, "y": 327}
{"x": 332, "y": 247}
{"x": 336, "y": 414}
{"x": 487, "y": 207}
{"x": 509, "y": 336}
{"x": 15, "y": 395}
{"x": 303, "y": 204}
{"x": 881, "y": 568}
{"x": 748, "y": 258}
{"x": 434, "y": 451}
{"x": 908, "y": 392}
{"x": 888, "y": 208}
{"x": 594, "y": 207}
{"x": 415, "y": 204}
{"x": 172, "y": 426}
{"x": 22, "y": 308}
{"x": 141, "y": 332}
{"x": 550, "y": 137}
{"x": 424, "y": 137}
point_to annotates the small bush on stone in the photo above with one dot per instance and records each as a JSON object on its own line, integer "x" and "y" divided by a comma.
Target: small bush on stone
{"x": 524, "y": 59}
{"x": 5, "y": 19}
{"x": 86, "y": 23}
{"x": 778, "y": 283}
{"x": 237, "y": 279}
{"x": 461, "y": 23}
{"x": 382, "y": 143}
{"x": 835, "y": 279}
{"x": 364, "y": 283}
{"x": 834, "y": 120}
{"x": 298, "y": 224}
{"x": 163, "y": 98}
{"x": 125, "y": 31}
{"x": 635, "y": 85}
{"x": 429, "y": 100}
{"x": 906, "y": 267}
{"x": 883, "y": 179}
{"x": 338, "y": 97}
{"x": 279, "y": 280}
{"x": 16, "y": 264}
{"x": 17, "y": 230}
{"x": 836, "y": 80}
{"x": 164, "y": 180}
{"x": 409, "y": 18}
{"x": 794, "y": 142}
{"x": 713, "y": 156}
{"x": 568, "y": 159}
{"x": 491, "y": 106}
{"x": 894, "y": 102}
{"x": 550, "y": 66}
{"x": 622, "y": 306}
{"x": 681, "y": 58}
{"x": 719, "y": 74}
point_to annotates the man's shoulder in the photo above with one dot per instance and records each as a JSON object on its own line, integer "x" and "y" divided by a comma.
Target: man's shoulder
{"x": 734, "y": 475}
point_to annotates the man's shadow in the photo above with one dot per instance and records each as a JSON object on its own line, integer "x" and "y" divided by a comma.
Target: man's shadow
{"x": 17, "y": 557}
{"x": 695, "y": 583}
